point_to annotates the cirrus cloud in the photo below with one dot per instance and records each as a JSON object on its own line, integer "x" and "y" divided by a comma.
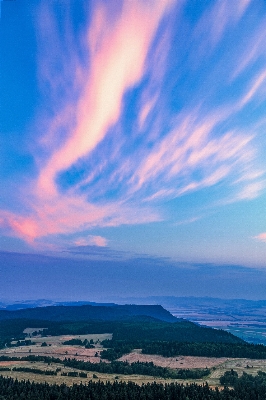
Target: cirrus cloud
{"x": 142, "y": 107}
{"x": 261, "y": 237}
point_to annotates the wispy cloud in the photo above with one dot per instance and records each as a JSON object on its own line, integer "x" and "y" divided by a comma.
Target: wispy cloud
{"x": 255, "y": 88}
{"x": 117, "y": 48}
{"x": 261, "y": 237}
{"x": 91, "y": 240}
{"x": 144, "y": 107}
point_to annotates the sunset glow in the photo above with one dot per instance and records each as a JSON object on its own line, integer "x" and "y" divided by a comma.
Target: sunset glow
{"x": 135, "y": 126}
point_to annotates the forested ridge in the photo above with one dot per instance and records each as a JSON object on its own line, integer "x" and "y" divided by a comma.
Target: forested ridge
{"x": 138, "y": 328}
{"x": 178, "y": 331}
{"x": 247, "y": 387}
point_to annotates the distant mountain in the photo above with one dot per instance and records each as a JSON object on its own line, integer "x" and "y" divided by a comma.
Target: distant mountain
{"x": 126, "y": 322}
{"x": 46, "y": 303}
{"x": 173, "y": 301}
{"x": 110, "y": 312}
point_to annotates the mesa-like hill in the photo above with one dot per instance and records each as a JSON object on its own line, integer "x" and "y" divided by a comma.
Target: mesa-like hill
{"x": 125, "y": 322}
{"x": 89, "y": 312}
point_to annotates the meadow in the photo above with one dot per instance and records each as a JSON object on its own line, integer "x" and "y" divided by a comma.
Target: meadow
{"x": 55, "y": 348}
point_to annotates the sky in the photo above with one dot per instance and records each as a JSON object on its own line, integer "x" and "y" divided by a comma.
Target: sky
{"x": 132, "y": 139}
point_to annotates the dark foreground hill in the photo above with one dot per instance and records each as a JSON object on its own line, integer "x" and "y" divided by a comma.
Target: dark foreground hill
{"x": 88, "y": 312}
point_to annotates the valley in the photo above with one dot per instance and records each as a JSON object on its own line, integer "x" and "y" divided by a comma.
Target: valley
{"x": 141, "y": 344}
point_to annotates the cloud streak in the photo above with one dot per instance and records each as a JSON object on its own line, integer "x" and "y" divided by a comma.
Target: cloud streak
{"x": 135, "y": 116}
{"x": 118, "y": 50}
{"x": 91, "y": 240}
{"x": 261, "y": 237}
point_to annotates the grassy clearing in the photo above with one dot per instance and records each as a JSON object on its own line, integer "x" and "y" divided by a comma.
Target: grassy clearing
{"x": 58, "y": 340}
{"x": 20, "y": 375}
{"x": 29, "y": 331}
{"x": 240, "y": 365}
{"x": 213, "y": 379}
{"x": 55, "y": 348}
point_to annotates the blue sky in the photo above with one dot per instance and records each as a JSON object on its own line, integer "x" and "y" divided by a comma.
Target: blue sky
{"x": 135, "y": 127}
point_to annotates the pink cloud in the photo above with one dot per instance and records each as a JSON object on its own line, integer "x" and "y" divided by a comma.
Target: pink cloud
{"x": 188, "y": 147}
{"x": 166, "y": 165}
{"x": 254, "y": 49}
{"x": 251, "y": 190}
{"x": 67, "y": 215}
{"x": 22, "y": 227}
{"x": 118, "y": 51}
{"x": 91, "y": 240}
{"x": 256, "y": 85}
{"x": 211, "y": 27}
{"x": 261, "y": 237}
{"x": 146, "y": 109}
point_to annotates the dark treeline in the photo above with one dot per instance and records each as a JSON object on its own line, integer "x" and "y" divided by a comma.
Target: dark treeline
{"x": 19, "y": 343}
{"x": 75, "y": 374}
{"x": 247, "y": 387}
{"x": 120, "y": 367}
{"x": 117, "y": 348}
{"x": 192, "y": 373}
{"x": 140, "y": 368}
{"x": 115, "y": 367}
{"x": 7, "y": 343}
{"x": 4, "y": 343}
{"x": 34, "y": 370}
{"x": 78, "y": 342}
{"x": 172, "y": 349}
{"x": 13, "y": 329}
{"x": 179, "y": 331}
{"x": 33, "y": 358}
{"x": 229, "y": 378}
